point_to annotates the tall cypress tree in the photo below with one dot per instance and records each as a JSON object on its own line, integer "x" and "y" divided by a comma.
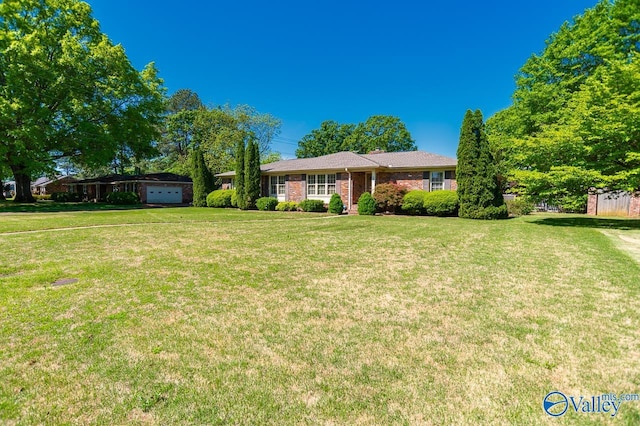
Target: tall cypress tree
{"x": 240, "y": 192}
{"x": 252, "y": 173}
{"x": 202, "y": 178}
{"x": 479, "y": 192}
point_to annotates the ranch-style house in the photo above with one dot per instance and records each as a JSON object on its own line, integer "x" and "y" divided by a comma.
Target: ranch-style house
{"x": 351, "y": 174}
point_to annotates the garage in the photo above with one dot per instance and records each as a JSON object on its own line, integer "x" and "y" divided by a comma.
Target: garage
{"x": 164, "y": 194}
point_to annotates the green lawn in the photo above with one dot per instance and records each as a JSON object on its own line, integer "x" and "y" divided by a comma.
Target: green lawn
{"x": 206, "y": 316}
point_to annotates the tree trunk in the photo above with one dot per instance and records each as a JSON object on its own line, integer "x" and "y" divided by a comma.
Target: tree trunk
{"x": 23, "y": 185}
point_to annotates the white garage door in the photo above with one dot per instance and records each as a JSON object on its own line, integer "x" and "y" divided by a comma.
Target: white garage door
{"x": 164, "y": 194}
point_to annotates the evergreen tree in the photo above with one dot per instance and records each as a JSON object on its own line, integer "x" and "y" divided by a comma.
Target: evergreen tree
{"x": 203, "y": 179}
{"x": 479, "y": 193}
{"x": 239, "y": 180}
{"x": 252, "y": 174}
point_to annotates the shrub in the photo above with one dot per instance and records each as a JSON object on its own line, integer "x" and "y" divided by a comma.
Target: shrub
{"x": 413, "y": 202}
{"x": 388, "y": 197}
{"x": 441, "y": 203}
{"x": 42, "y": 196}
{"x": 519, "y": 206}
{"x": 366, "y": 204}
{"x": 490, "y": 213}
{"x": 66, "y": 197}
{"x": 220, "y": 198}
{"x": 123, "y": 198}
{"x": 335, "y": 204}
{"x": 287, "y": 206}
{"x": 312, "y": 206}
{"x": 266, "y": 203}
{"x": 234, "y": 198}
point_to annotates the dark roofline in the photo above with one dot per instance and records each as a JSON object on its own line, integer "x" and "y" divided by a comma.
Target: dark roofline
{"x": 149, "y": 177}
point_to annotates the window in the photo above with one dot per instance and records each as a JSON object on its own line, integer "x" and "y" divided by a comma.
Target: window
{"x": 437, "y": 181}
{"x": 277, "y": 185}
{"x": 321, "y": 184}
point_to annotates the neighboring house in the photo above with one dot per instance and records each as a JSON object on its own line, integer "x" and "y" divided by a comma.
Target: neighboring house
{"x": 8, "y": 188}
{"x": 613, "y": 203}
{"x": 45, "y": 185}
{"x": 351, "y": 174}
{"x": 152, "y": 188}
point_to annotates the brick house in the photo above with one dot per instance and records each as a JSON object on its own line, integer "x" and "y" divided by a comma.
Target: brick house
{"x": 351, "y": 174}
{"x": 152, "y": 188}
{"x": 45, "y": 185}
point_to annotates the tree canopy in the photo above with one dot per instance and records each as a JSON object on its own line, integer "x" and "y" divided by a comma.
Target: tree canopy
{"x": 215, "y": 131}
{"x": 67, "y": 91}
{"x": 383, "y": 132}
{"x": 575, "y": 119}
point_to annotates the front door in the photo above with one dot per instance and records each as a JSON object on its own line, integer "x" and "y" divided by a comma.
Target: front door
{"x": 359, "y": 182}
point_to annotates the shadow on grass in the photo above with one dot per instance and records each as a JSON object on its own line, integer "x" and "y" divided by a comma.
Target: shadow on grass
{"x": 590, "y": 222}
{"x": 52, "y": 207}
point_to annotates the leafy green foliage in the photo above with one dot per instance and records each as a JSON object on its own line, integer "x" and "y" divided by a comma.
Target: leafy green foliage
{"x": 221, "y": 198}
{"x": 287, "y": 206}
{"x": 477, "y": 176}
{"x": 576, "y": 110}
{"x": 519, "y": 206}
{"x": 183, "y": 100}
{"x": 413, "y": 202}
{"x": 441, "y": 203}
{"x": 123, "y": 198}
{"x": 312, "y": 206}
{"x": 335, "y": 204}
{"x": 234, "y": 199}
{"x": 252, "y": 174}
{"x": 383, "y": 132}
{"x": 267, "y": 203}
{"x": 216, "y": 131}
{"x": 202, "y": 179}
{"x": 389, "y": 197}
{"x": 67, "y": 91}
{"x": 66, "y": 197}
{"x": 366, "y": 204}
{"x": 240, "y": 175}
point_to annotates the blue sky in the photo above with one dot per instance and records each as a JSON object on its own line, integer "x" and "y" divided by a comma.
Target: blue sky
{"x": 305, "y": 62}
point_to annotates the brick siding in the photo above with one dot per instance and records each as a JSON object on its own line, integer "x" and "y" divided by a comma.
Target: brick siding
{"x": 296, "y": 188}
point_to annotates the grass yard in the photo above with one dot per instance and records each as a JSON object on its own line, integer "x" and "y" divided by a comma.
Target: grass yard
{"x": 205, "y": 316}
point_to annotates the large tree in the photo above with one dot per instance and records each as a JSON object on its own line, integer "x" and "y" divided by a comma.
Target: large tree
{"x": 328, "y": 139}
{"x": 67, "y": 91}
{"x": 262, "y": 125}
{"x": 177, "y": 132}
{"x": 574, "y": 122}
{"x": 382, "y": 132}
{"x": 478, "y": 191}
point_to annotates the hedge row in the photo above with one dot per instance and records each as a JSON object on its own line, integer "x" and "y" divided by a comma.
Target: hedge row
{"x": 267, "y": 203}
{"x": 222, "y": 198}
{"x": 123, "y": 198}
{"x": 66, "y": 197}
{"x": 435, "y": 203}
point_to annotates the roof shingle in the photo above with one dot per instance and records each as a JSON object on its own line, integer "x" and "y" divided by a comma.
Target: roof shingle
{"x": 351, "y": 160}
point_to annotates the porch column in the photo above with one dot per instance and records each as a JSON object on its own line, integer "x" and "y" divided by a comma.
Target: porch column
{"x": 350, "y": 189}
{"x": 373, "y": 182}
